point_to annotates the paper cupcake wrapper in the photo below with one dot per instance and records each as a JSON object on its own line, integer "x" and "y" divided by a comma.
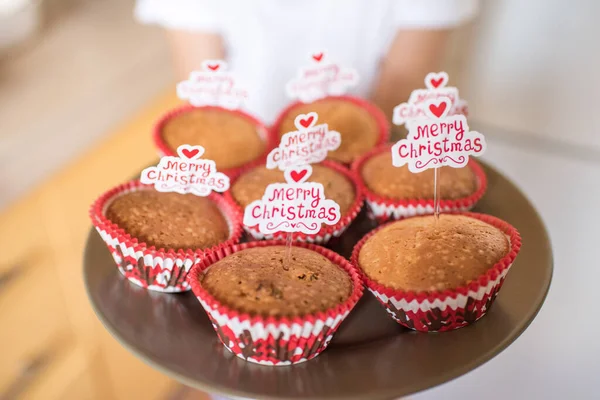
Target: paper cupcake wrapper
{"x": 449, "y": 309}
{"x": 383, "y": 124}
{"x": 266, "y": 134}
{"x": 163, "y": 270}
{"x": 271, "y": 340}
{"x": 384, "y": 209}
{"x": 327, "y": 232}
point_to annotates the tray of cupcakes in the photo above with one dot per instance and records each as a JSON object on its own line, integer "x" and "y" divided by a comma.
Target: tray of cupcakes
{"x": 279, "y": 231}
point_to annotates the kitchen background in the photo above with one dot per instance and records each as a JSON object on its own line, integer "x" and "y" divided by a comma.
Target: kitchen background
{"x": 528, "y": 69}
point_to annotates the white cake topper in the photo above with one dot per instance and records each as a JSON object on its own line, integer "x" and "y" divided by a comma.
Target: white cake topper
{"x": 437, "y": 139}
{"x": 322, "y": 78}
{"x": 214, "y": 85}
{"x": 294, "y": 206}
{"x": 307, "y": 145}
{"x": 435, "y": 89}
{"x": 187, "y": 173}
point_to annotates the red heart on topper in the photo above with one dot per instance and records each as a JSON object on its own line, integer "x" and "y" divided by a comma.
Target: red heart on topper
{"x": 435, "y": 80}
{"x": 297, "y": 174}
{"x": 213, "y": 67}
{"x": 317, "y": 57}
{"x": 191, "y": 152}
{"x": 438, "y": 110}
{"x": 304, "y": 121}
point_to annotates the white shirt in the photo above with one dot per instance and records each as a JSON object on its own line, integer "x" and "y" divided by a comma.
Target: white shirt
{"x": 268, "y": 40}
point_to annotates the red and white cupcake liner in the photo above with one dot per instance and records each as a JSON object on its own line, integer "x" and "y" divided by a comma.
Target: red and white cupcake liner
{"x": 384, "y": 209}
{"x": 162, "y": 270}
{"x": 265, "y": 134}
{"x": 446, "y": 310}
{"x": 383, "y": 124}
{"x": 274, "y": 340}
{"x": 327, "y": 232}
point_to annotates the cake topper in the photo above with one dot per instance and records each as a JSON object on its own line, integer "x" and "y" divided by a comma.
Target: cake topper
{"x": 322, "y": 78}
{"x": 308, "y": 144}
{"x": 187, "y": 173}
{"x": 438, "y": 133}
{"x": 294, "y": 206}
{"x": 213, "y": 85}
{"x": 436, "y": 88}
{"x": 437, "y": 140}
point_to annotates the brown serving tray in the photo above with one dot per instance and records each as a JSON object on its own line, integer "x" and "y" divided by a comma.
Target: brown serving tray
{"x": 370, "y": 357}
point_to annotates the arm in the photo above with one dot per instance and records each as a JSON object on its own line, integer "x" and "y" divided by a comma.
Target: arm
{"x": 189, "y": 49}
{"x": 412, "y": 54}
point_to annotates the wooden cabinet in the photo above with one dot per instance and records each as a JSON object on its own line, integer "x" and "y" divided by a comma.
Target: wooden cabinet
{"x": 53, "y": 346}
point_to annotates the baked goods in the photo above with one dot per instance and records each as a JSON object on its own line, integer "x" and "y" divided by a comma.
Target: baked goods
{"x": 155, "y": 238}
{"x": 169, "y": 220}
{"x": 394, "y": 193}
{"x": 231, "y": 138}
{"x": 254, "y": 281}
{"x": 251, "y": 184}
{"x": 271, "y": 313}
{"x": 383, "y": 179}
{"x": 422, "y": 255}
{"x": 437, "y": 275}
{"x": 340, "y": 185}
{"x": 362, "y": 125}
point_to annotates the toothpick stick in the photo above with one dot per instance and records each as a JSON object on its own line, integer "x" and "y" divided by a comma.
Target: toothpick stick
{"x": 436, "y": 194}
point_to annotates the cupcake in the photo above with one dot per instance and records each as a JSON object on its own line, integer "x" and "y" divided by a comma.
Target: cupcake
{"x": 231, "y": 138}
{"x": 155, "y": 237}
{"x": 340, "y": 185}
{"x": 394, "y": 193}
{"x": 361, "y": 125}
{"x": 437, "y": 275}
{"x": 275, "y": 308}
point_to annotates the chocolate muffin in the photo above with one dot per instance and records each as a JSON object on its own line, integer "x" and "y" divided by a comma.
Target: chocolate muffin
{"x": 169, "y": 220}
{"x": 254, "y": 281}
{"x": 359, "y": 129}
{"x": 230, "y": 139}
{"x": 251, "y": 185}
{"x": 383, "y": 179}
{"x": 419, "y": 254}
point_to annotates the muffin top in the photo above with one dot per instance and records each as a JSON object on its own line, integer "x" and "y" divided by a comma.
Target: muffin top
{"x": 228, "y": 138}
{"x": 420, "y": 254}
{"x": 169, "y": 220}
{"x": 254, "y": 281}
{"x": 251, "y": 185}
{"x": 382, "y": 178}
{"x": 357, "y": 127}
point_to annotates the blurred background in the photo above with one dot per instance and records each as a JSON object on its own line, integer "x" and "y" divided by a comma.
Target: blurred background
{"x": 77, "y": 77}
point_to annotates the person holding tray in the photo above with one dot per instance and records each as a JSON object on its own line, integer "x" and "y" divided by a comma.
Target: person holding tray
{"x": 391, "y": 43}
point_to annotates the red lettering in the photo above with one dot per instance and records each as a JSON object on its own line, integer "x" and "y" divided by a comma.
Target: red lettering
{"x": 403, "y": 146}
{"x": 172, "y": 165}
{"x": 422, "y": 131}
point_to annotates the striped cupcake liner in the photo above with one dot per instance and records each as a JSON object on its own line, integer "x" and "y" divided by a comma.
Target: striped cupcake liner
{"x": 162, "y": 270}
{"x": 446, "y": 310}
{"x": 384, "y": 209}
{"x": 275, "y": 341}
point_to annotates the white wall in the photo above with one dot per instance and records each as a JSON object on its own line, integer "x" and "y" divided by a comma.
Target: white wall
{"x": 534, "y": 66}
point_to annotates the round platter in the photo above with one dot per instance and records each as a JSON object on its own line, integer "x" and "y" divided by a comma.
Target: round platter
{"x": 370, "y": 357}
